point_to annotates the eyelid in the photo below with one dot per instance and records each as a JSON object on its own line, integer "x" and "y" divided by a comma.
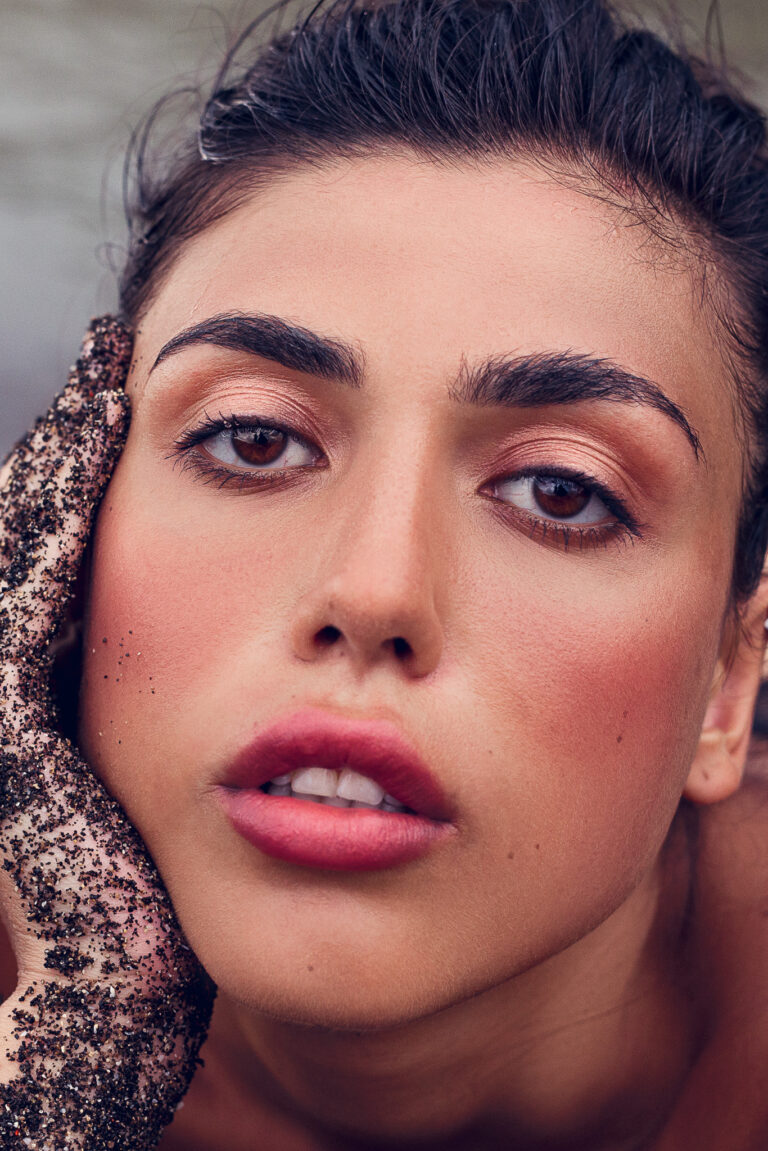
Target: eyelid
{"x": 209, "y": 469}
{"x": 209, "y": 426}
{"x": 189, "y": 452}
{"x": 623, "y": 526}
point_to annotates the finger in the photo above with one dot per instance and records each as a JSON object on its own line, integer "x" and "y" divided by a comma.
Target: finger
{"x": 35, "y": 585}
{"x": 103, "y": 364}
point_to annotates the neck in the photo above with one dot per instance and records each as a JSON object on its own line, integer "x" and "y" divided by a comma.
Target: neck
{"x": 583, "y": 1050}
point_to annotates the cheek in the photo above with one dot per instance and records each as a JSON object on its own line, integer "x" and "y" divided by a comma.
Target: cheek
{"x": 596, "y": 696}
{"x": 163, "y": 648}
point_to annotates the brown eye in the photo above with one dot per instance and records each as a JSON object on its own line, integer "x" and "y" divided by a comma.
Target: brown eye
{"x": 556, "y": 498}
{"x": 559, "y": 497}
{"x": 259, "y": 448}
{"x": 259, "y": 445}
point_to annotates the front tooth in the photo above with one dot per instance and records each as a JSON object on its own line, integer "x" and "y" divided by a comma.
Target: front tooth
{"x": 281, "y": 780}
{"x": 358, "y": 787}
{"x": 314, "y": 781}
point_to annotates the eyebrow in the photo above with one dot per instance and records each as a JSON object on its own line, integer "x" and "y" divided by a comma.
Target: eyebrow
{"x": 508, "y": 381}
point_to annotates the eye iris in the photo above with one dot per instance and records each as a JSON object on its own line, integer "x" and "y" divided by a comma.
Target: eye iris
{"x": 259, "y": 446}
{"x": 560, "y": 497}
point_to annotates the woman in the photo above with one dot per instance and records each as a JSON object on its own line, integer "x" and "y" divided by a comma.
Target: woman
{"x": 444, "y": 494}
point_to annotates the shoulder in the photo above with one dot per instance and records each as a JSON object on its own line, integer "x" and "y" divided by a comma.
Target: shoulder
{"x": 730, "y": 884}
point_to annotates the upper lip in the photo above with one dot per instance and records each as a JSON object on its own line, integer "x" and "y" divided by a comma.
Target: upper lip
{"x": 314, "y": 738}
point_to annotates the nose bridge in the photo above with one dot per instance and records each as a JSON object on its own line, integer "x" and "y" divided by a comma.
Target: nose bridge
{"x": 378, "y": 587}
{"x": 392, "y": 520}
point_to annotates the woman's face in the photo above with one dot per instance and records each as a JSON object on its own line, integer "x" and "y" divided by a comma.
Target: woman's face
{"x": 530, "y": 590}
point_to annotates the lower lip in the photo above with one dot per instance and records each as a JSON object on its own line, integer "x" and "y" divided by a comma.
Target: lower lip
{"x": 333, "y": 838}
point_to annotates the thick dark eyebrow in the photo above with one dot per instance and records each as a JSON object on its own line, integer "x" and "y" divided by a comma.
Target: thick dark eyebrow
{"x": 274, "y": 339}
{"x": 508, "y": 381}
{"x": 563, "y": 378}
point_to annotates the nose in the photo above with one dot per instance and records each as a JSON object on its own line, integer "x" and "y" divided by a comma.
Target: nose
{"x": 378, "y": 582}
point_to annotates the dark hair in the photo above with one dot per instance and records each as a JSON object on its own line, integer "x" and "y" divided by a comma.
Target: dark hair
{"x": 562, "y": 82}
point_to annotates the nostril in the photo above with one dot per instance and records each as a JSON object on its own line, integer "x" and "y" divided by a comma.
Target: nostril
{"x": 327, "y": 635}
{"x": 401, "y": 646}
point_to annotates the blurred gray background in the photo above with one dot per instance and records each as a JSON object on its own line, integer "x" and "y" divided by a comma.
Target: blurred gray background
{"x": 76, "y": 77}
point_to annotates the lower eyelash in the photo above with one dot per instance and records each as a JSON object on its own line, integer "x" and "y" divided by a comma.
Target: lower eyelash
{"x": 624, "y": 529}
{"x": 188, "y": 457}
{"x": 208, "y": 471}
{"x": 587, "y": 536}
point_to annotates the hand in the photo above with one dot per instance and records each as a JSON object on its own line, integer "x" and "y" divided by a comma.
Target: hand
{"x": 100, "y": 1039}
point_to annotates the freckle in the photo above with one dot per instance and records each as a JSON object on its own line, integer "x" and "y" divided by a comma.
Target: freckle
{"x": 619, "y": 738}
{"x": 104, "y": 640}
{"x": 624, "y": 714}
{"x": 510, "y": 854}
{"x": 538, "y": 846}
{"x": 310, "y": 967}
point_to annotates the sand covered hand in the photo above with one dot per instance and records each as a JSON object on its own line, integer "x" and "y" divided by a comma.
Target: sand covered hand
{"x": 100, "y": 1039}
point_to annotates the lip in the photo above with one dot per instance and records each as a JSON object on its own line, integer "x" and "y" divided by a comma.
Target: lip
{"x": 316, "y": 835}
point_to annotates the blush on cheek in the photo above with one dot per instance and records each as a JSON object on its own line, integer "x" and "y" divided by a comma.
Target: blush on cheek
{"x": 600, "y": 703}
{"x": 170, "y": 614}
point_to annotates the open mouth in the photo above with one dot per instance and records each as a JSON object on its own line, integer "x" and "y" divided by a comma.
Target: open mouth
{"x": 345, "y": 788}
{"x": 293, "y": 794}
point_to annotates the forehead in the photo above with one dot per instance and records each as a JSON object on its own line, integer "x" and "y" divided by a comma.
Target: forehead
{"x": 422, "y": 264}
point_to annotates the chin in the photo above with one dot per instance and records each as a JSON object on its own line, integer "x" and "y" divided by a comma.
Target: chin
{"x": 331, "y": 1005}
{"x": 328, "y": 997}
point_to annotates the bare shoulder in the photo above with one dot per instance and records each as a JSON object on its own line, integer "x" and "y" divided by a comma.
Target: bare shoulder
{"x": 731, "y": 893}
{"x": 734, "y": 834}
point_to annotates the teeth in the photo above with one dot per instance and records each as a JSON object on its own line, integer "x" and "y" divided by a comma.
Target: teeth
{"x": 347, "y": 788}
{"x": 359, "y": 788}
{"x": 315, "y": 781}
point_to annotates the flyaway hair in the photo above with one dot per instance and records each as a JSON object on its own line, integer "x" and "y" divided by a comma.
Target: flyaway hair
{"x": 567, "y": 84}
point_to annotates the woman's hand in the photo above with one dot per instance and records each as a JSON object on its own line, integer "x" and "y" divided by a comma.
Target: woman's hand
{"x": 100, "y": 1039}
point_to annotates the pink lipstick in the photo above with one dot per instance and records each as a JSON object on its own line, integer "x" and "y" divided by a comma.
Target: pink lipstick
{"x": 336, "y": 838}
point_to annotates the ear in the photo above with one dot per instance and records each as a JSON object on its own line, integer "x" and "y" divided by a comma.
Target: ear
{"x": 718, "y": 766}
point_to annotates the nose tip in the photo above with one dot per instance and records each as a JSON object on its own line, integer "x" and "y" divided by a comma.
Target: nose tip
{"x": 370, "y": 626}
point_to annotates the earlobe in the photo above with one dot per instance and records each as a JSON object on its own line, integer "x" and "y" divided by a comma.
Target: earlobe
{"x": 718, "y": 766}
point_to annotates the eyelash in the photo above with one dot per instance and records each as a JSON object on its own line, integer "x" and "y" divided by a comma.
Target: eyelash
{"x": 211, "y": 471}
{"x": 624, "y": 527}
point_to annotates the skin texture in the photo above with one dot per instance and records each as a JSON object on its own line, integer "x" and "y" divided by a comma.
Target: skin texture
{"x": 566, "y": 699}
{"x": 531, "y": 982}
{"x": 100, "y": 1039}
